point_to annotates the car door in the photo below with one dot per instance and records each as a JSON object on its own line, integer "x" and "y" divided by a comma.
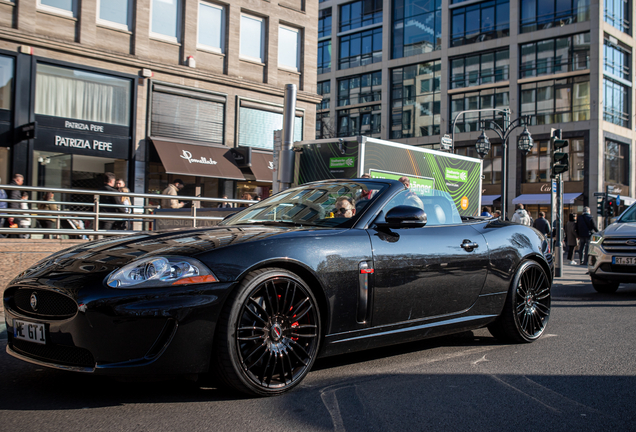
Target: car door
{"x": 426, "y": 272}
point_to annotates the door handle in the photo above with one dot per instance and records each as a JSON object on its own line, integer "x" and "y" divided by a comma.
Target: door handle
{"x": 469, "y": 245}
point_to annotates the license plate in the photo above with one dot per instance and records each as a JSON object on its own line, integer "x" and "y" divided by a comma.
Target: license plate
{"x": 624, "y": 260}
{"x": 29, "y": 331}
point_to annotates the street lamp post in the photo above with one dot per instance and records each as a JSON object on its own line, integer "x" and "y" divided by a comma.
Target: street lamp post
{"x": 482, "y": 145}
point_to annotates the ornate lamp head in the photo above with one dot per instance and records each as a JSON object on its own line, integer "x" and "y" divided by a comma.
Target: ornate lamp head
{"x": 525, "y": 142}
{"x": 482, "y": 145}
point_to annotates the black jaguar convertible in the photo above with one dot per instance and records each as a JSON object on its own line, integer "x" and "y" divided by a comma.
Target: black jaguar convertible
{"x": 326, "y": 268}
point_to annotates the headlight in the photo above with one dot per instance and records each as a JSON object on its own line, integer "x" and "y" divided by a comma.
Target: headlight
{"x": 160, "y": 271}
{"x": 596, "y": 238}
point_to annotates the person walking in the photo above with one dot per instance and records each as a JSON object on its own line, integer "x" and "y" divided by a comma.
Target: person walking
{"x": 542, "y": 225}
{"x": 173, "y": 189}
{"x": 51, "y": 222}
{"x": 109, "y": 186}
{"x": 571, "y": 239}
{"x": 3, "y": 205}
{"x": 25, "y": 222}
{"x": 18, "y": 180}
{"x": 485, "y": 211}
{"x": 224, "y": 204}
{"x": 585, "y": 227}
{"x": 521, "y": 215}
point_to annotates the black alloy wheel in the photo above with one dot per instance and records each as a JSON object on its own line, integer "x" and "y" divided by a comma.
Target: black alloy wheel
{"x": 527, "y": 308}
{"x": 269, "y": 335}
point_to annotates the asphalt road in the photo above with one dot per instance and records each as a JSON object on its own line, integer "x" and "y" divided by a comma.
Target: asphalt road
{"x": 580, "y": 376}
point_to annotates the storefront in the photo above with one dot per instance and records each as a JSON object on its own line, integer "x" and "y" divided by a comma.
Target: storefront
{"x": 536, "y": 197}
{"x": 7, "y": 73}
{"x": 84, "y": 127}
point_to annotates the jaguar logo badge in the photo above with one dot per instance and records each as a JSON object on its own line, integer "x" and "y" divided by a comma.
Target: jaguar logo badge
{"x": 34, "y": 301}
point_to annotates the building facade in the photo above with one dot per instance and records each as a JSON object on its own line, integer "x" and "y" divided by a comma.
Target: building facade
{"x": 152, "y": 90}
{"x": 403, "y": 70}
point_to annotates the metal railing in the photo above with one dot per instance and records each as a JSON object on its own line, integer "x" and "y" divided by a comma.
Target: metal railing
{"x": 140, "y": 215}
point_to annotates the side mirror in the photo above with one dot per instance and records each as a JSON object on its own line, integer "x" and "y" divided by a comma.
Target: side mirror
{"x": 405, "y": 216}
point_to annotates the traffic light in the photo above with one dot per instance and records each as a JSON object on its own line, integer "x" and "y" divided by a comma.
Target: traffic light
{"x": 600, "y": 207}
{"x": 610, "y": 207}
{"x": 560, "y": 158}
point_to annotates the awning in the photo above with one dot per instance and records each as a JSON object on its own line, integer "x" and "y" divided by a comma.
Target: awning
{"x": 489, "y": 199}
{"x": 195, "y": 160}
{"x": 568, "y": 198}
{"x": 262, "y": 166}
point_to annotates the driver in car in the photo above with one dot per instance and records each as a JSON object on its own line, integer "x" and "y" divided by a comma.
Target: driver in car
{"x": 345, "y": 207}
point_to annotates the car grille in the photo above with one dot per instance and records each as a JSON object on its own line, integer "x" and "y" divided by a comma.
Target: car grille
{"x": 626, "y": 245}
{"x": 613, "y": 268}
{"x": 50, "y": 304}
{"x": 58, "y": 354}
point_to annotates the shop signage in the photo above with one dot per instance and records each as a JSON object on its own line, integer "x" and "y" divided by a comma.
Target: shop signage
{"x": 455, "y": 175}
{"x": 546, "y": 187}
{"x": 83, "y": 126}
{"x": 26, "y": 132}
{"x": 82, "y": 143}
{"x": 73, "y": 125}
{"x": 202, "y": 160}
{"x": 242, "y": 156}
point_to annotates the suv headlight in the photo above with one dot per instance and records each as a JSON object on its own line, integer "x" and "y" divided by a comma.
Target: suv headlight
{"x": 160, "y": 271}
{"x": 596, "y": 238}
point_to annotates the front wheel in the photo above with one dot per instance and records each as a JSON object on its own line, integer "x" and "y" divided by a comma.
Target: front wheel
{"x": 269, "y": 333}
{"x": 527, "y": 308}
{"x": 604, "y": 287}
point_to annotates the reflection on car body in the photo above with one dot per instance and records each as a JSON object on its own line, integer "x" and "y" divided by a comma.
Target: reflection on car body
{"x": 258, "y": 298}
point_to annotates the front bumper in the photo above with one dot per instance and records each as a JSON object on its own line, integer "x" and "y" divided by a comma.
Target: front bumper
{"x": 599, "y": 264}
{"x": 159, "y": 332}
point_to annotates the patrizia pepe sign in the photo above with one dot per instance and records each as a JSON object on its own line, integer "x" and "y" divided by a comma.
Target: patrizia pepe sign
{"x": 202, "y": 160}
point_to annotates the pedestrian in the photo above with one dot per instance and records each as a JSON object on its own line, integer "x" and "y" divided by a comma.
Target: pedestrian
{"x": 225, "y": 204}
{"x": 485, "y": 211}
{"x": 542, "y": 225}
{"x": 246, "y": 196}
{"x": 521, "y": 215}
{"x": 173, "y": 189}
{"x": 125, "y": 200}
{"x": 14, "y": 222}
{"x": 585, "y": 226}
{"x": 497, "y": 214}
{"x": 571, "y": 239}
{"x": 120, "y": 183}
{"x": 410, "y": 198}
{"x": 109, "y": 186}
{"x": 49, "y": 223}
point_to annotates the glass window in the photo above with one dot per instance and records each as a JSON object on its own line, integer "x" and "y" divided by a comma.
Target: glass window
{"x": 417, "y": 27}
{"x": 616, "y": 102}
{"x": 480, "y": 69}
{"x": 115, "y": 12}
{"x": 64, "y": 7}
{"x": 211, "y": 26}
{"x": 550, "y": 56}
{"x": 166, "y": 15}
{"x": 289, "y": 48}
{"x": 324, "y": 22}
{"x": 324, "y": 57}
{"x": 360, "y": 121}
{"x": 252, "y": 37}
{"x": 617, "y": 14}
{"x": 556, "y": 101}
{"x": 543, "y": 14}
{"x": 360, "y": 89}
{"x": 256, "y": 127}
{"x": 75, "y": 94}
{"x": 617, "y": 59}
{"x": 361, "y": 13}
{"x": 616, "y": 162}
{"x": 497, "y": 98}
{"x": 361, "y": 49}
{"x": 480, "y": 22}
{"x": 416, "y": 100}
{"x": 6, "y": 82}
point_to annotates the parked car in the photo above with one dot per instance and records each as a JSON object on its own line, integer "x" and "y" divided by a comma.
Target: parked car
{"x": 322, "y": 269}
{"x": 612, "y": 253}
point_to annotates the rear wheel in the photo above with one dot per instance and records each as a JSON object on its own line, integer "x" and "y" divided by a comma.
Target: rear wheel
{"x": 605, "y": 287}
{"x": 527, "y": 308}
{"x": 269, "y": 333}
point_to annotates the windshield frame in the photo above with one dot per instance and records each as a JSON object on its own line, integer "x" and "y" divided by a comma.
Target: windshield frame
{"x": 312, "y": 204}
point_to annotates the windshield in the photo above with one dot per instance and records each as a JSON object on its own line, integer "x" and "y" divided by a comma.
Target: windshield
{"x": 629, "y": 215}
{"x": 337, "y": 204}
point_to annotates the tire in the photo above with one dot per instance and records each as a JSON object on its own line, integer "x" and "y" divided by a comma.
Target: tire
{"x": 527, "y": 309}
{"x": 268, "y": 334}
{"x": 604, "y": 287}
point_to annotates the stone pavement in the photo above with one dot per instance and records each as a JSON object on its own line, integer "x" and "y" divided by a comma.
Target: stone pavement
{"x": 572, "y": 275}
